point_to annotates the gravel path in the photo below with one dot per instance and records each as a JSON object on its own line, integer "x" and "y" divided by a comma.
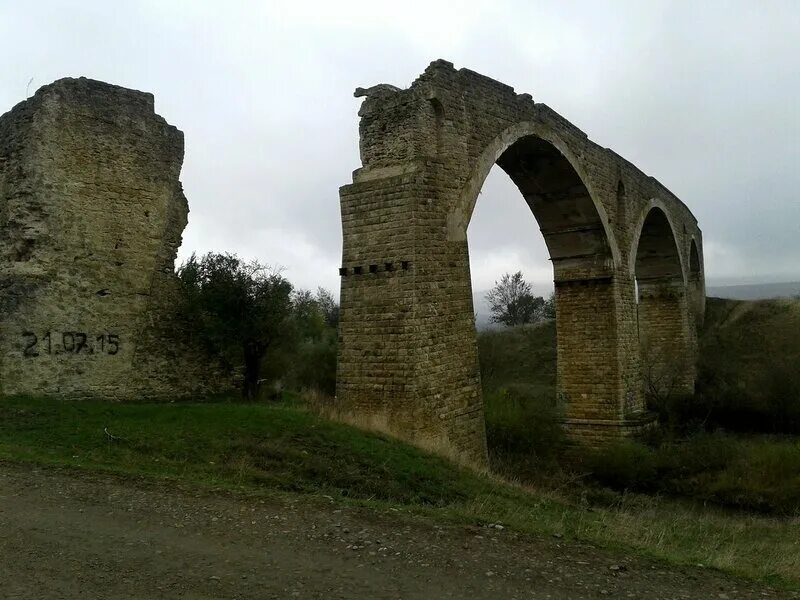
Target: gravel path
{"x": 67, "y": 535}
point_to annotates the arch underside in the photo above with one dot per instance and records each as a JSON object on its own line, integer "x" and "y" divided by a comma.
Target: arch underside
{"x": 567, "y": 215}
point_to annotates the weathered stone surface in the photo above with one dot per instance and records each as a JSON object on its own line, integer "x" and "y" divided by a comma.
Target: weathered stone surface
{"x": 91, "y": 217}
{"x": 408, "y": 360}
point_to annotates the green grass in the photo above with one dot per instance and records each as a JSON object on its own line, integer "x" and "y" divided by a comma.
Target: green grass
{"x": 226, "y": 443}
{"x": 262, "y": 449}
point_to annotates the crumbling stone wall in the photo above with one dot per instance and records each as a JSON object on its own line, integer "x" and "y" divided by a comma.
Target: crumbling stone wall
{"x": 91, "y": 217}
{"x": 408, "y": 361}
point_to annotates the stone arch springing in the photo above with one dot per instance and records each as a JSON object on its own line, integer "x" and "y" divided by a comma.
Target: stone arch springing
{"x": 522, "y": 151}
{"x": 565, "y": 210}
{"x": 665, "y": 339}
{"x": 696, "y": 285}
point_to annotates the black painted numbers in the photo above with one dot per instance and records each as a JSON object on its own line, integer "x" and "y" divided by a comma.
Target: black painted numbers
{"x": 30, "y": 343}
{"x": 113, "y": 343}
{"x": 69, "y": 342}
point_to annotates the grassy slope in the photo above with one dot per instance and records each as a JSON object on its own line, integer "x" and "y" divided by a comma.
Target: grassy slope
{"x": 267, "y": 449}
{"x": 752, "y": 339}
{"x": 752, "y": 350}
{"x": 523, "y": 358}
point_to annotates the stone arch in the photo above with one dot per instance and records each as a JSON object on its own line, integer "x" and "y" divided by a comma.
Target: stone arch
{"x": 665, "y": 332}
{"x": 582, "y": 249}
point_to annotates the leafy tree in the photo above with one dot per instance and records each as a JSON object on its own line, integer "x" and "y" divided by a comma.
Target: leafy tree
{"x": 315, "y": 313}
{"x": 309, "y": 319}
{"x": 329, "y": 307}
{"x": 549, "y": 309}
{"x": 310, "y": 363}
{"x": 239, "y": 310}
{"x": 512, "y": 302}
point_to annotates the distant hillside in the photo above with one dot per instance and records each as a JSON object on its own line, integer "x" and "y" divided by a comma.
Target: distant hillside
{"x": 750, "y": 291}
{"x": 749, "y": 361}
{"x": 522, "y": 357}
{"x": 751, "y": 349}
{"x": 755, "y": 291}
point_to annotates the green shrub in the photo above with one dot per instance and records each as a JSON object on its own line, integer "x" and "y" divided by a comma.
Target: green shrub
{"x": 314, "y": 365}
{"x": 765, "y": 477}
{"x": 625, "y": 465}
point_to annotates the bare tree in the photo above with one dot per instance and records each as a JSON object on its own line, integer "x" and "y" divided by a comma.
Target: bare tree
{"x": 512, "y": 302}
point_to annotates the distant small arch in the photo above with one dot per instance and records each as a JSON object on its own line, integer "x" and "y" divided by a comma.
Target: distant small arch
{"x": 695, "y": 270}
{"x": 661, "y": 258}
{"x": 696, "y": 284}
{"x": 438, "y": 109}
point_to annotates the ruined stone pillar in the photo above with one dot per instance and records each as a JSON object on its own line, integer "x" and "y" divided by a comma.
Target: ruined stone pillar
{"x": 91, "y": 216}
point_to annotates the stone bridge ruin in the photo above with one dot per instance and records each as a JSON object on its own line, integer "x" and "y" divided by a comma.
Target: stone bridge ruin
{"x": 627, "y": 264}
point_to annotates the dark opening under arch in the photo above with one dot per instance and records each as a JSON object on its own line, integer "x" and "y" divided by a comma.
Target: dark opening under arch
{"x": 657, "y": 258}
{"x": 664, "y": 337}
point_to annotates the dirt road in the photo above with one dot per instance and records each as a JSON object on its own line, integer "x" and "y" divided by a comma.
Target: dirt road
{"x": 69, "y": 536}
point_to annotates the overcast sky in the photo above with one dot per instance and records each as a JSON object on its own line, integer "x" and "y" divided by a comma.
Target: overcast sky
{"x": 705, "y": 96}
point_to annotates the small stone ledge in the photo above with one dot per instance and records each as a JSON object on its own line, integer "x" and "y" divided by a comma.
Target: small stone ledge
{"x": 376, "y": 268}
{"x": 365, "y": 174}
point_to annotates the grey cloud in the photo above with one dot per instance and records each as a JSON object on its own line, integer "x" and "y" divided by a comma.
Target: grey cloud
{"x": 700, "y": 95}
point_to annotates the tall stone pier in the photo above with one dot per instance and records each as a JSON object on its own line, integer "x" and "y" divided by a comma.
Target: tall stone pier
{"x": 408, "y": 361}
